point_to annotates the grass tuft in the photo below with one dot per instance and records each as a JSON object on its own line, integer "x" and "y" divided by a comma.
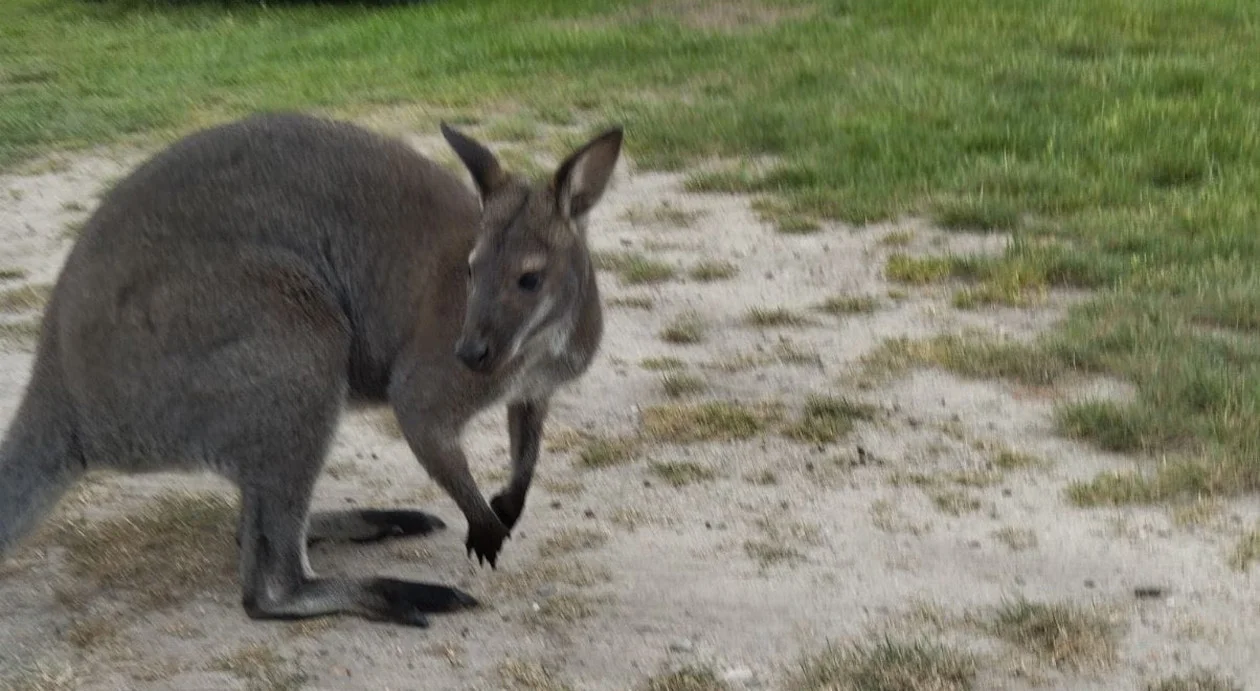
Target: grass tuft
{"x": 711, "y": 421}
{"x": 174, "y": 548}
{"x": 849, "y": 304}
{"x": 713, "y": 270}
{"x": 24, "y": 298}
{"x": 1246, "y": 552}
{"x": 572, "y": 540}
{"x": 603, "y": 452}
{"x": 690, "y": 678}
{"x": 1062, "y": 635}
{"x": 765, "y": 318}
{"x": 680, "y": 385}
{"x": 1197, "y": 680}
{"x": 687, "y": 328}
{"x": 887, "y": 665}
{"x": 682, "y": 473}
{"x": 634, "y": 268}
{"x": 827, "y": 418}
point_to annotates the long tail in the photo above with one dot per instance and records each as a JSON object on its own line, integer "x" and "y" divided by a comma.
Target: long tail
{"x": 39, "y": 461}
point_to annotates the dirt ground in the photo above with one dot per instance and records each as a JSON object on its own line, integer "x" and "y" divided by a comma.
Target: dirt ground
{"x": 738, "y": 558}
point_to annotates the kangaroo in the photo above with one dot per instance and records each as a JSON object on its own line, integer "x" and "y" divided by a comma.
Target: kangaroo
{"x": 235, "y": 291}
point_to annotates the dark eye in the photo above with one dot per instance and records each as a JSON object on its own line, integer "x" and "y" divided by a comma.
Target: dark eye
{"x": 529, "y": 282}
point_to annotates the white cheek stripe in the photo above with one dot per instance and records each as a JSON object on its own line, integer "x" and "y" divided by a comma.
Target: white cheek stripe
{"x": 541, "y": 312}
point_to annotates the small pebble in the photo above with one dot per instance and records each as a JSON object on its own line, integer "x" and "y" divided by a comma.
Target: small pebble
{"x": 588, "y": 513}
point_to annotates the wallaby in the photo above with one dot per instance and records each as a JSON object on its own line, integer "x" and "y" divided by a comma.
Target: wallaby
{"x": 231, "y": 294}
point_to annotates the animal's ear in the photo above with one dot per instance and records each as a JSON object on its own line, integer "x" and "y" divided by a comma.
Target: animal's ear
{"x": 485, "y": 168}
{"x": 580, "y": 180}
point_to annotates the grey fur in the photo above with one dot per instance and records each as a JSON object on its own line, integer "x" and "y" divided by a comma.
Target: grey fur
{"x": 230, "y": 295}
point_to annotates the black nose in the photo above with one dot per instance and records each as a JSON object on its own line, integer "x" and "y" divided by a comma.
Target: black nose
{"x": 474, "y": 354}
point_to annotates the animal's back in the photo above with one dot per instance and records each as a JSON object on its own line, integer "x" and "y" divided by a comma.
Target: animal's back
{"x": 170, "y": 274}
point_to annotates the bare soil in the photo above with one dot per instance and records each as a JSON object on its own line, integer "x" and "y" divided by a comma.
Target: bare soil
{"x": 618, "y": 573}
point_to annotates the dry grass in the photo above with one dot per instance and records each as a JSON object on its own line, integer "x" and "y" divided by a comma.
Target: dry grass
{"x": 19, "y": 335}
{"x": 527, "y": 579}
{"x": 774, "y": 317}
{"x": 1017, "y": 539}
{"x": 639, "y": 302}
{"x": 42, "y": 676}
{"x": 711, "y": 421}
{"x": 174, "y": 548}
{"x": 25, "y": 298}
{"x": 682, "y": 473}
{"x": 572, "y": 540}
{"x": 1198, "y": 680}
{"x": 634, "y": 268}
{"x": 665, "y": 214}
{"x": 530, "y": 676}
{"x": 1246, "y": 551}
{"x": 1062, "y": 635}
{"x": 679, "y": 385}
{"x": 970, "y": 354}
{"x": 886, "y": 666}
{"x": 605, "y": 452}
{"x": 686, "y": 329}
{"x": 261, "y": 668}
{"x": 767, "y": 553}
{"x": 662, "y": 364}
{"x": 88, "y": 633}
{"x": 690, "y": 678}
{"x": 713, "y": 270}
{"x": 955, "y": 503}
{"x": 826, "y": 419}
{"x": 849, "y": 304}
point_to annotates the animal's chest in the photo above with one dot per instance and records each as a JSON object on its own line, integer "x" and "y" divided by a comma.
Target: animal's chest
{"x": 542, "y": 377}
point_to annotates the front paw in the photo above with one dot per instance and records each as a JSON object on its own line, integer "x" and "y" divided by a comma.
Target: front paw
{"x": 485, "y": 538}
{"x": 508, "y": 508}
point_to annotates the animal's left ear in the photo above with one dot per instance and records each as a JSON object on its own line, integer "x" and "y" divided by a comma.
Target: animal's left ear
{"x": 580, "y": 180}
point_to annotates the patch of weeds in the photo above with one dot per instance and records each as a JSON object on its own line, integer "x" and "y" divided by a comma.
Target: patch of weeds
{"x": 177, "y": 546}
{"x": 662, "y": 364}
{"x": 1063, "y": 635}
{"x": 605, "y": 452}
{"x": 713, "y": 270}
{"x": 561, "y": 440}
{"x": 1197, "y": 680}
{"x": 1008, "y": 459}
{"x": 897, "y": 238}
{"x": 955, "y": 503}
{"x": 970, "y": 354}
{"x": 91, "y": 632}
{"x": 1171, "y": 480}
{"x": 887, "y": 518}
{"x": 764, "y": 478}
{"x": 688, "y": 678}
{"x": 12, "y": 274}
{"x": 1246, "y": 551}
{"x": 827, "y": 418}
{"x": 849, "y": 304}
{"x": 774, "y": 317}
{"x": 514, "y": 129}
{"x": 1109, "y": 426}
{"x": 43, "y": 676}
{"x": 682, "y": 473}
{"x": 788, "y": 353}
{"x": 572, "y": 540}
{"x": 785, "y": 220}
{"x": 261, "y": 668}
{"x": 570, "y": 488}
{"x": 1017, "y": 539}
{"x": 565, "y": 608}
{"x": 686, "y": 329}
{"x": 711, "y": 421}
{"x": 678, "y": 385}
{"x": 767, "y": 553}
{"x": 24, "y": 298}
{"x": 886, "y": 666}
{"x": 634, "y": 268}
{"x": 1196, "y": 513}
{"x": 638, "y": 302}
{"x": 72, "y": 229}
{"x": 74, "y": 206}
{"x": 664, "y": 214}
{"x": 20, "y": 335}
{"x": 528, "y": 579}
{"x": 903, "y": 268}
{"x": 530, "y": 676}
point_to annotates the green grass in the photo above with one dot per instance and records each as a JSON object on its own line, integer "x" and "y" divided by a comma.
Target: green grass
{"x": 634, "y": 268}
{"x": 710, "y": 421}
{"x": 849, "y": 304}
{"x": 774, "y": 317}
{"x": 713, "y": 270}
{"x": 687, "y": 328}
{"x": 689, "y": 678}
{"x": 681, "y": 473}
{"x": 1115, "y": 139}
{"x": 601, "y": 452}
{"x": 681, "y": 385}
{"x": 1197, "y": 680}
{"x": 826, "y": 419}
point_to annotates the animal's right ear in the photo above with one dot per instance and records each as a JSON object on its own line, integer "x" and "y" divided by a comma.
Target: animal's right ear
{"x": 485, "y": 168}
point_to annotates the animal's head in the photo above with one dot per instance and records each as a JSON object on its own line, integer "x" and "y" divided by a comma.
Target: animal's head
{"x": 529, "y": 271}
